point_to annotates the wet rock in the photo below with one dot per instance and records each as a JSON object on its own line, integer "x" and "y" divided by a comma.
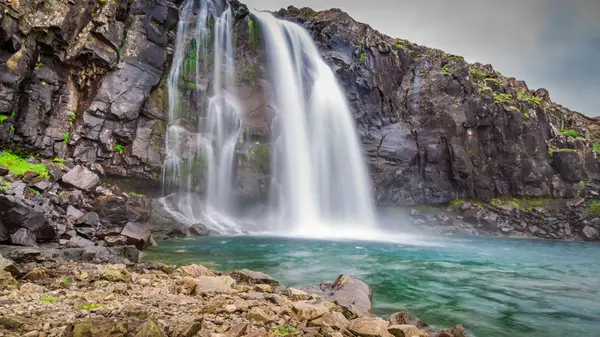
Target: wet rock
{"x": 589, "y": 233}
{"x": 81, "y": 178}
{"x": 406, "y": 318}
{"x": 369, "y": 327}
{"x": 137, "y": 234}
{"x": 404, "y": 331}
{"x": 456, "y": 331}
{"x": 353, "y": 294}
{"x": 23, "y": 237}
{"x": 252, "y": 277}
{"x": 216, "y": 284}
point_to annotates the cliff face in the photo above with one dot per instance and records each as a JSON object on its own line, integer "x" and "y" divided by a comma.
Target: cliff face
{"x": 82, "y": 79}
{"x": 86, "y": 80}
{"x": 436, "y": 128}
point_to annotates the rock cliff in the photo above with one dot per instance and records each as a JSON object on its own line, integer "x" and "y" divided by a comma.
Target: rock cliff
{"x": 85, "y": 80}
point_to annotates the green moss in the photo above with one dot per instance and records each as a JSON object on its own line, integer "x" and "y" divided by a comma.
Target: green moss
{"x": 119, "y": 148}
{"x": 570, "y": 133}
{"x": 596, "y": 147}
{"x": 136, "y": 195}
{"x": 514, "y": 108}
{"x": 457, "y": 203}
{"x": 66, "y": 137}
{"x": 363, "y": 56}
{"x": 284, "y": 330}
{"x": 522, "y": 203}
{"x": 594, "y": 207}
{"x": 446, "y": 71}
{"x": 493, "y": 80}
{"x": 483, "y": 87}
{"x": 477, "y": 72}
{"x": 503, "y": 98}
{"x": 3, "y": 118}
{"x": 48, "y": 299}
{"x": 91, "y": 306}
{"x": 19, "y": 166}
{"x": 528, "y": 97}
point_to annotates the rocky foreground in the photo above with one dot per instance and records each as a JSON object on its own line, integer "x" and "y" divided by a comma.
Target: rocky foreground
{"x": 151, "y": 300}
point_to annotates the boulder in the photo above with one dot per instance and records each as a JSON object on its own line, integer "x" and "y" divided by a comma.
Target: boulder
{"x": 352, "y": 294}
{"x": 18, "y": 213}
{"x": 369, "y": 327}
{"x": 7, "y": 282}
{"x": 406, "y": 318}
{"x": 79, "y": 242}
{"x": 404, "y": 331}
{"x": 252, "y": 277}
{"x": 216, "y": 284}
{"x": 81, "y": 178}
{"x": 305, "y": 310}
{"x": 115, "y": 240}
{"x": 73, "y": 214}
{"x": 150, "y": 329}
{"x": 258, "y": 315}
{"x": 8, "y": 265}
{"x": 589, "y": 233}
{"x": 333, "y": 319}
{"x": 23, "y": 237}
{"x": 115, "y": 273}
{"x": 455, "y": 331}
{"x": 138, "y": 235}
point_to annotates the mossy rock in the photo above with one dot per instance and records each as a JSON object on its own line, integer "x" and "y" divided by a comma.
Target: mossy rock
{"x": 83, "y": 330}
{"x": 7, "y": 281}
{"x": 115, "y": 275}
{"x": 150, "y": 329}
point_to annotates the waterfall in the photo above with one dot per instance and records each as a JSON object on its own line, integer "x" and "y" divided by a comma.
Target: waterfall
{"x": 319, "y": 173}
{"x": 204, "y": 123}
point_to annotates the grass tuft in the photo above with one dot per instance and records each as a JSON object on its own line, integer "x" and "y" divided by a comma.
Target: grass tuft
{"x": 19, "y": 166}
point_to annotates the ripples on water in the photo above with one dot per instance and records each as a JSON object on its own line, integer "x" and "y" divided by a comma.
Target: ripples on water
{"x": 494, "y": 287}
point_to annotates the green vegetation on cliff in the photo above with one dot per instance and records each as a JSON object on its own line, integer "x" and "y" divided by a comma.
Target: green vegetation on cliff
{"x": 19, "y": 166}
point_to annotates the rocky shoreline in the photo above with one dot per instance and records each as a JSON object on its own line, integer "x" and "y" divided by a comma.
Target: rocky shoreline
{"x": 66, "y": 298}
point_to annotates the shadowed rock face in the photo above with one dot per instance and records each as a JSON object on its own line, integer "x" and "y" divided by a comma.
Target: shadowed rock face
{"x": 86, "y": 80}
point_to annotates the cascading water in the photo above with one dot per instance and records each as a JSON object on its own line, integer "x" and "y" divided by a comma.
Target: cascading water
{"x": 319, "y": 173}
{"x": 203, "y": 117}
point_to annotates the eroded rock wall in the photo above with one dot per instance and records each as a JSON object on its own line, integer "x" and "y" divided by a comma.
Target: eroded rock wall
{"x": 436, "y": 128}
{"x": 84, "y": 79}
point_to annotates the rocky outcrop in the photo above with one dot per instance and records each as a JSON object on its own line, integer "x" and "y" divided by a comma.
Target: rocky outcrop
{"x": 436, "y": 128}
{"x": 147, "y": 300}
{"x": 82, "y": 80}
{"x": 352, "y": 294}
{"x": 76, "y": 217}
{"x": 543, "y": 218}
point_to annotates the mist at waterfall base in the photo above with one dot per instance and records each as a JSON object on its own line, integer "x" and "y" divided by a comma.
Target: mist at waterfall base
{"x": 320, "y": 187}
{"x": 494, "y": 287}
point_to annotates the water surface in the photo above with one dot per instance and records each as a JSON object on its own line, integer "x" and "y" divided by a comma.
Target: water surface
{"x": 494, "y": 287}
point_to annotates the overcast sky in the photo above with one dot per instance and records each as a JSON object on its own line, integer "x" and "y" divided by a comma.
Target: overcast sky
{"x": 552, "y": 44}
